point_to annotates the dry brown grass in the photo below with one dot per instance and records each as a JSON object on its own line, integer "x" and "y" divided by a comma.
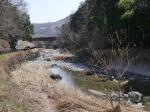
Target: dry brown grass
{"x": 74, "y": 100}
{"x": 41, "y": 94}
{"x": 69, "y": 100}
{"x": 56, "y": 58}
{"x": 32, "y": 76}
{"x": 62, "y": 56}
{"x": 9, "y": 91}
{"x": 34, "y": 80}
{"x": 10, "y": 59}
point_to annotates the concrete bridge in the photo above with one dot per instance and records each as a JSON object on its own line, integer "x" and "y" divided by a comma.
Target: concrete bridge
{"x": 44, "y": 42}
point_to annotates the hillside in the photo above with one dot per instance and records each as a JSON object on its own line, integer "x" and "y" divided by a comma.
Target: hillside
{"x": 97, "y": 22}
{"x": 95, "y": 60}
{"x": 50, "y": 29}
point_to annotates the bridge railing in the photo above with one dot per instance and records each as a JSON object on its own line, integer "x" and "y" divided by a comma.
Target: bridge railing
{"x": 6, "y": 50}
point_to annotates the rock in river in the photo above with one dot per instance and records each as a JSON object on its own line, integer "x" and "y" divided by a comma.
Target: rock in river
{"x": 135, "y": 97}
{"x": 48, "y": 59}
{"x": 53, "y": 65}
{"x": 55, "y": 77}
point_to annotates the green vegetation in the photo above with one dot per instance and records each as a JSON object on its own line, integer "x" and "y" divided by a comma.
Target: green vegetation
{"x": 96, "y": 22}
{"x": 92, "y": 82}
{"x": 146, "y": 103}
{"x": 5, "y": 57}
{"x": 147, "y": 107}
{"x": 14, "y": 22}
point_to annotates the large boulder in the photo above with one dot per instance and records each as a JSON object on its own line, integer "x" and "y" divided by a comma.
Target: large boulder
{"x": 135, "y": 97}
{"x": 24, "y": 45}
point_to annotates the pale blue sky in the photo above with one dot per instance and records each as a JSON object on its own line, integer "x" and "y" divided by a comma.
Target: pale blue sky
{"x": 42, "y": 11}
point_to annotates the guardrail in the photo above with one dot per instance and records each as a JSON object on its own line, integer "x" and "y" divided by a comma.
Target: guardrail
{"x": 8, "y": 50}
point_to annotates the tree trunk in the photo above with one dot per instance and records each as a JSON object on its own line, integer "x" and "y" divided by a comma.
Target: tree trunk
{"x": 12, "y": 42}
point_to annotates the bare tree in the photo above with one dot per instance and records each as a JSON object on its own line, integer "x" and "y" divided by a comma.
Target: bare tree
{"x": 117, "y": 58}
{"x": 14, "y": 21}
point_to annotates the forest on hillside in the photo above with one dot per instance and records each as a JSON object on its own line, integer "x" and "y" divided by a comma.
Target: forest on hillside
{"x": 96, "y": 22}
{"x": 89, "y": 68}
{"x": 14, "y": 23}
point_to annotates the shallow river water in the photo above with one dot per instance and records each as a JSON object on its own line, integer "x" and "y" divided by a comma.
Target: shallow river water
{"x": 73, "y": 75}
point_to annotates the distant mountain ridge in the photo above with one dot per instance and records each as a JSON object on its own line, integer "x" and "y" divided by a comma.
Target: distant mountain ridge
{"x": 50, "y": 29}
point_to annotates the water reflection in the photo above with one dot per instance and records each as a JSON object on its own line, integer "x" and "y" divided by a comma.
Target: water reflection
{"x": 67, "y": 79}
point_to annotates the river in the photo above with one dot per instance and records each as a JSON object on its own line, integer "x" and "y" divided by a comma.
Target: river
{"x": 73, "y": 75}
{"x": 67, "y": 74}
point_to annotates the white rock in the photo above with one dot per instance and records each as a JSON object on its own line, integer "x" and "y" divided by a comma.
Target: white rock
{"x": 97, "y": 93}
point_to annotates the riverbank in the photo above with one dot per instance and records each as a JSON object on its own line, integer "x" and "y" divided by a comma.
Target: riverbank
{"x": 9, "y": 101}
{"x": 31, "y": 89}
{"x": 72, "y": 71}
{"x": 92, "y": 82}
{"x": 42, "y": 94}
